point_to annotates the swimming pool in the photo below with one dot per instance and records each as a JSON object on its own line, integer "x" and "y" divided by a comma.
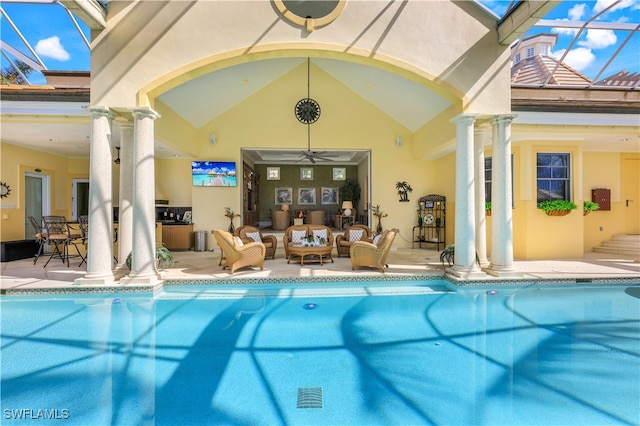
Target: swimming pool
{"x": 211, "y": 355}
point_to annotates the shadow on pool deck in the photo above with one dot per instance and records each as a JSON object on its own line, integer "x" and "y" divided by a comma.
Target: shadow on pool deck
{"x": 23, "y": 274}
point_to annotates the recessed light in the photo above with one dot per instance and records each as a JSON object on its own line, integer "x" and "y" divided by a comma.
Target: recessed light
{"x": 53, "y": 140}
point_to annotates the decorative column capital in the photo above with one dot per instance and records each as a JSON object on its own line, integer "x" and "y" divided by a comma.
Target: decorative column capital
{"x": 144, "y": 112}
{"x": 98, "y": 111}
{"x": 503, "y": 118}
{"x": 464, "y": 118}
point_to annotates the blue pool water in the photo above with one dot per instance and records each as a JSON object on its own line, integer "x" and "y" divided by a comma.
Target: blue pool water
{"x": 188, "y": 356}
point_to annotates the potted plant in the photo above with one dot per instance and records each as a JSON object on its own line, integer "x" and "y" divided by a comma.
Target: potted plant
{"x": 403, "y": 190}
{"x": 164, "y": 258}
{"x": 377, "y": 212}
{"x": 588, "y": 207}
{"x": 557, "y": 207}
{"x": 487, "y": 207}
{"x": 231, "y": 215}
{"x": 350, "y": 191}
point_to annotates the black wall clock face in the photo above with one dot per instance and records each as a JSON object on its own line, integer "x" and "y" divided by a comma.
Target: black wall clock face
{"x": 307, "y": 111}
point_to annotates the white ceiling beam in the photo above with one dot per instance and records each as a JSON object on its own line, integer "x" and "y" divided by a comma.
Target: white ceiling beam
{"x": 90, "y": 11}
{"x": 522, "y": 17}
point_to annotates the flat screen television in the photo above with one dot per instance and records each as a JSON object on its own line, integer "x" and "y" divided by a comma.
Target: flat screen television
{"x": 213, "y": 173}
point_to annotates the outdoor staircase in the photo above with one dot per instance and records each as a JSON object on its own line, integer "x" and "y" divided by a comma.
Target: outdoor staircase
{"x": 622, "y": 244}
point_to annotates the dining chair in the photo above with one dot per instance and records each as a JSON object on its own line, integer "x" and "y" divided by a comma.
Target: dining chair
{"x": 40, "y": 236}
{"x": 59, "y": 234}
{"x": 83, "y": 224}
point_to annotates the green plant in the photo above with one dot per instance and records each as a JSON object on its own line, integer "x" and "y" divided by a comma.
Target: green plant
{"x": 588, "y": 206}
{"x": 350, "y": 191}
{"x": 557, "y": 205}
{"x": 449, "y": 255}
{"x": 403, "y": 190}
{"x": 487, "y": 205}
{"x": 164, "y": 257}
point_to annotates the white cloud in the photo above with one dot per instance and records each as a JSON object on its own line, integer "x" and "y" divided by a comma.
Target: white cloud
{"x": 578, "y": 59}
{"x": 51, "y": 48}
{"x": 603, "y": 4}
{"x": 599, "y": 39}
{"x": 577, "y": 12}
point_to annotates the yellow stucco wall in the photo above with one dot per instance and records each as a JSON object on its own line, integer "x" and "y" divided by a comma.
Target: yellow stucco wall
{"x": 129, "y": 61}
{"x": 18, "y": 160}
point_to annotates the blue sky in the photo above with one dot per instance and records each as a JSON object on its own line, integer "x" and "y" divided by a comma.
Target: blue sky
{"x": 50, "y": 31}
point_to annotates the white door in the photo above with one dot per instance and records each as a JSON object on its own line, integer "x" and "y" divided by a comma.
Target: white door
{"x": 80, "y": 198}
{"x": 36, "y": 200}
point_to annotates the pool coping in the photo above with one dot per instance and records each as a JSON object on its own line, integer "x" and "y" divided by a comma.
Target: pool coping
{"x": 452, "y": 283}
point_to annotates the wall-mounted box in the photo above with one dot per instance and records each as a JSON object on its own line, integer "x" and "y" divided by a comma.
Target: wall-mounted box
{"x": 602, "y": 196}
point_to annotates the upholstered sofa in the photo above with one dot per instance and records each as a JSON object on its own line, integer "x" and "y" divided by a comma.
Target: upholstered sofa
{"x": 237, "y": 254}
{"x": 373, "y": 255}
{"x": 248, "y": 234}
{"x": 290, "y": 234}
{"x": 352, "y": 234}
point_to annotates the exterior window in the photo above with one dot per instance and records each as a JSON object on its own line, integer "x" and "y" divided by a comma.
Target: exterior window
{"x": 544, "y": 50}
{"x": 553, "y": 177}
{"x": 487, "y": 178}
{"x": 531, "y": 52}
{"x": 517, "y": 59}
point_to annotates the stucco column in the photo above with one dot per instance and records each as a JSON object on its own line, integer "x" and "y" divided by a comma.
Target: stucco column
{"x": 465, "y": 248}
{"x": 481, "y": 214}
{"x": 501, "y": 200}
{"x": 125, "y": 215}
{"x": 143, "y": 253}
{"x": 100, "y": 231}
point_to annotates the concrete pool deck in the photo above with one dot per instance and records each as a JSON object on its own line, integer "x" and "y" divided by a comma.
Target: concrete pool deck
{"x": 22, "y": 276}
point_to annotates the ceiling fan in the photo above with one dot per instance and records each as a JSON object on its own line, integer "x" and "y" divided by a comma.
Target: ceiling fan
{"x": 307, "y": 111}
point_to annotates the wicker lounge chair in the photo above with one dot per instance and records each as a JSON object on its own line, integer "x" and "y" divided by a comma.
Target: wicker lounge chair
{"x": 372, "y": 255}
{"x": 343, "y": 242}
{"x": 270, "y": 241}
{"x": 237, "y": 256}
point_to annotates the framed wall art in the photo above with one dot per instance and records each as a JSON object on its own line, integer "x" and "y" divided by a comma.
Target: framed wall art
{"x": 339, "y": 173}
{"x": 306, "y": 173}
{"x": 306, "y": 196}
{"x": 284, "y": 196}
{"x": 329, "y": 195}
{"x": 273, "y": 173}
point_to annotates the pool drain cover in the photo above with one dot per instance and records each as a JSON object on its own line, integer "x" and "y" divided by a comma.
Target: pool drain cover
{"x": 309, "y": 398}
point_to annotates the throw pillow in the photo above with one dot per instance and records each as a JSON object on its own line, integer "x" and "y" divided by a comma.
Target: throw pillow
{"x": 297, "y": 236}
{"x": 255, "y": 236}
{"x": 320, "y": 234}
{"x": 238, "y": 241}
{"x": 376, "y": 239}
{"x": 355, "y": 235}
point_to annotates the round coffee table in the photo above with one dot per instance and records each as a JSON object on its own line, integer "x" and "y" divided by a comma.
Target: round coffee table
{"x": 314, "y": 254}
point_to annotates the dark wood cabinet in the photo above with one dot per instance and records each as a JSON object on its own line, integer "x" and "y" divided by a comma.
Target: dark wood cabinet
{"x": 250, "y": 193}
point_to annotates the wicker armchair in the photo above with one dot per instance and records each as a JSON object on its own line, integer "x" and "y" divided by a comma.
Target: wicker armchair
{"x": 373, "y": 255}
{"x": 270, "y": 241}
{"x": 237, "y": 256}
{"x": 343, "y": 242}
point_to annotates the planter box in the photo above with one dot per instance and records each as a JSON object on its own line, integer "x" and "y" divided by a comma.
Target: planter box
{"x": 558, "y": 212}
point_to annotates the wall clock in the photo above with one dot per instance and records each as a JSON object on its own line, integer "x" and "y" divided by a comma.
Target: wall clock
{"x": 428, "y": 219}
{"x": 4, "y": 190}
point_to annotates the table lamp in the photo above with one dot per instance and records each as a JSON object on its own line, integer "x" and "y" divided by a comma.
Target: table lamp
{"x": 346, "y": 207}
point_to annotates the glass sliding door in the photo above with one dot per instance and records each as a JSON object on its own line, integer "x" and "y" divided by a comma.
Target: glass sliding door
{"x": 36, "y": 200}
